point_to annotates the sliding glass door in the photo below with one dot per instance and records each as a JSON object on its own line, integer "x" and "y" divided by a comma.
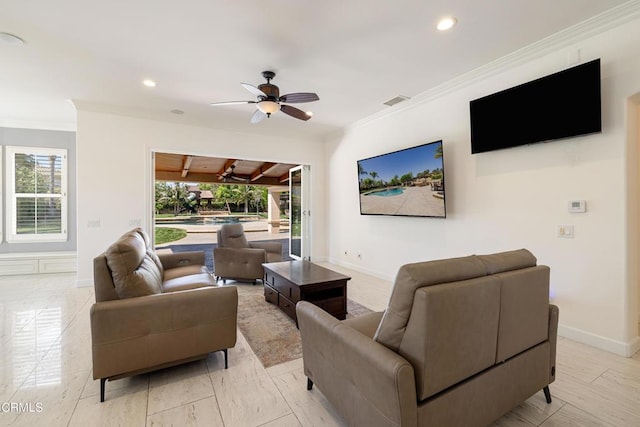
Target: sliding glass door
{"x": 300, "y": 215}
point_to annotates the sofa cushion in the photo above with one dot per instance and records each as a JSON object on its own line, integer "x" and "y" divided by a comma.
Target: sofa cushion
{"x": 150, "y": 252}
{"x": 183, "y": 283}
{"x": 451, "y": 334}
{"x": 413, "y": 276}
{"x": 134, "y": 272}
{"x": 186, "y": 270}
{"x": 524, "y": 310}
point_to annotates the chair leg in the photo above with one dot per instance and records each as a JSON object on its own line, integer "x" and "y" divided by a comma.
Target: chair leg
{"x": 103, "y": 381}
{"x": 547, "y": 394}
{"x": 309, "y": 384}
{"x": 226, "y": 359}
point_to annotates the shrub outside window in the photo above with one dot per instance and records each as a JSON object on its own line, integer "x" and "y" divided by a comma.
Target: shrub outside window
{"x": 36, "y": 194}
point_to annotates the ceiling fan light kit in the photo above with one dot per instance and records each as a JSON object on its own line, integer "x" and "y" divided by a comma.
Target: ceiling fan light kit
{"x": 269, "y": 100}
{"x": 268, "y": 107}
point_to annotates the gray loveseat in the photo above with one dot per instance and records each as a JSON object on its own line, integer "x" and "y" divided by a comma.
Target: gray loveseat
{"x": 462, "y": 342}
{"x": 153, "y": 312}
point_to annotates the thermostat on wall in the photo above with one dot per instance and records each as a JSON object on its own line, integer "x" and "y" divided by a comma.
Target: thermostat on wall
{"x": 577, "y": 206}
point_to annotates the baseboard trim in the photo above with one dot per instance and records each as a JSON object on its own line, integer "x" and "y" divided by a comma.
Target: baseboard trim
{"x": 621, "y": 348}
{"x": 360, "y": 269}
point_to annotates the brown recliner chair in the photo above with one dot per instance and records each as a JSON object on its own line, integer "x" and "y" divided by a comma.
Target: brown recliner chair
{"x": 238, "y": 259}
{"x": 461, "y": 343}
{"x": 152, "y": 312}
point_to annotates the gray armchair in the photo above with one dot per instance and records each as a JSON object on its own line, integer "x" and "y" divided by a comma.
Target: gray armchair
{"x": 238, "y": 259}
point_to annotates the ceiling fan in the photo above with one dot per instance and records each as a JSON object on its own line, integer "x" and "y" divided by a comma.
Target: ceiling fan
{"x": 269, "y": 100}
{"x": 231, "y": 175}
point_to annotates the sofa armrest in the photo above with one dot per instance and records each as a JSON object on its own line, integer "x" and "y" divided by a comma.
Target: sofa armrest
{"x": 273, "y": 247}
{"x": 554, "y": 313}
{"x": 181, "y": 259}
{"x": 367, "y": 381}
{"x": 135, "y": 334}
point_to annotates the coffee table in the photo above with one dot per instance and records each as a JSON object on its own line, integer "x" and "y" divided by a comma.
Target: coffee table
{"x": 287, "y": 282}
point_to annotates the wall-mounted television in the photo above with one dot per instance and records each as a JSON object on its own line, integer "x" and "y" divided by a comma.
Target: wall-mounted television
{"x": 560, "y": 105}
{"x": 407, "y": 182}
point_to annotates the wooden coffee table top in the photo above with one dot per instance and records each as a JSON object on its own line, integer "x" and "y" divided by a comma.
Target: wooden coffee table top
{"x": 304, "y": 272}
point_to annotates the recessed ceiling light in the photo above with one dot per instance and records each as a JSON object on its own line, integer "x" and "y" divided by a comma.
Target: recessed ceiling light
{"x": 446, "y": 23}
{"x": 149, "y": 83}
{"x": 309, "y": 113}
{"x": 10, "y": 38}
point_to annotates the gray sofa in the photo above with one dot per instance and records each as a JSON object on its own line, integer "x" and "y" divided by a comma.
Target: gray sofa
{"x": 153, "y": 312}
{"x": 462, "y": 342}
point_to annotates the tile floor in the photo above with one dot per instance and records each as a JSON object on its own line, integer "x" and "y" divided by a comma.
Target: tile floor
{"x": 46, "y": 368}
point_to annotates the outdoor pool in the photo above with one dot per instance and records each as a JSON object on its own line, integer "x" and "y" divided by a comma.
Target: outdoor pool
{"x": 387, "y": 192}
{"x": 194, "y": 220}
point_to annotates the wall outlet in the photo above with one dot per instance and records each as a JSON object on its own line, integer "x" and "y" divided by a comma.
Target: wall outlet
{"x": 93, "y": 223}
{"x": 135, "y": 222}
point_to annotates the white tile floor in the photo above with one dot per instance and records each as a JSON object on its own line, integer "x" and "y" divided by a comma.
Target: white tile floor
{"x": 46, "y": 367}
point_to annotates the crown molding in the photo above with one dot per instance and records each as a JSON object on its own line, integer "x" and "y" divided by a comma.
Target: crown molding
{"x": 38, "y": 124}
{"x": 598, "y": 24}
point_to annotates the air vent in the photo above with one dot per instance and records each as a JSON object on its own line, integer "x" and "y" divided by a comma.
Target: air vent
{"x": 396, "y": 100}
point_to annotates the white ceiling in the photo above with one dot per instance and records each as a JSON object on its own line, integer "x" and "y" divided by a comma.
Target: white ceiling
{"x": 355, "y": 54}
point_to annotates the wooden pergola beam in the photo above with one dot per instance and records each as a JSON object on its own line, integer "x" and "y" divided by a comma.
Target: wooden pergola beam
{"x": 212, "y": 178}
{"x": 283, "y": 178}
{"x": 186, "y": 165}
{"x": 259, "y": 173}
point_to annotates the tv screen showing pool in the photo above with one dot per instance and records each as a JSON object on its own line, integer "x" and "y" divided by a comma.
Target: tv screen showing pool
{"x": 407, "y": 182}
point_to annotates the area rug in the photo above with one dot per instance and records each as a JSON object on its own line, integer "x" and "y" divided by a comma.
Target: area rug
{"x": 271, "y": 334}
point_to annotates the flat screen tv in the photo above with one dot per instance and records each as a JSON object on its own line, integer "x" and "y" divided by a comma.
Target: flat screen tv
{"x": 407, "y": 182}
{"x": 561, "y": 105}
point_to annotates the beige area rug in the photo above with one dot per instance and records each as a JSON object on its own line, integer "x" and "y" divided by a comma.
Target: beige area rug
{"x": 271, "y": 334}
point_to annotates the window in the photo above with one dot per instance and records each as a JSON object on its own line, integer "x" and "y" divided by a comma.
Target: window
{"x": 36, "y": 194}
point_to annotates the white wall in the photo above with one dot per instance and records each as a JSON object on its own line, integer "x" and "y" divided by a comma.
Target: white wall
{"x": 115, "y": 174}
{"x": 512, "y": 198}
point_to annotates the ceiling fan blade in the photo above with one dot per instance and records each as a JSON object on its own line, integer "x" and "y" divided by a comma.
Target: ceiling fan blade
{"x": 215, "y": 104}
{"x": 254, "y": 90}
{"x": 239, "y": 178}
{"x": 258, "y": 116}
{"x": 299, "y": 97}
{"x": 294, "y": 112}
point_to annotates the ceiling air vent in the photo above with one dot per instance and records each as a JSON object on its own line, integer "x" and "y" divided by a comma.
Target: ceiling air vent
{"x": 396, "y": 100}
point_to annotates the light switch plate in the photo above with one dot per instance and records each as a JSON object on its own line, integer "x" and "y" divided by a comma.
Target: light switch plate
{"x": 565, "y": 231}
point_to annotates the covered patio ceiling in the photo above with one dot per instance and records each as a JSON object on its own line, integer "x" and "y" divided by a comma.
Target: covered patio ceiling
{"x": 217, "y": 170}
